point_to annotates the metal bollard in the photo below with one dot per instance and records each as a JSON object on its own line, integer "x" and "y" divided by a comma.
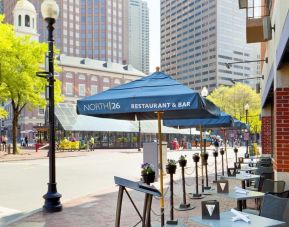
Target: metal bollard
{"x": 215, "y": 153}
{"x": 222, "y": 152}
{"x": 172, "y": 221}
{"x": 236, "y": 153}
{"x": 206, "y": 156}
{"x": 184, "y": 206}
{"x": 8, "y": 148}
{"x": 196, "y": 159}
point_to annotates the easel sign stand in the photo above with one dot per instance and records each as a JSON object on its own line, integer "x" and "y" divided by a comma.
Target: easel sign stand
{"x": 144, "y": 188}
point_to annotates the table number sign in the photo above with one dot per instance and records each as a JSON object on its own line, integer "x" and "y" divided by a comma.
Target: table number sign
{"x": 210, "y": 209}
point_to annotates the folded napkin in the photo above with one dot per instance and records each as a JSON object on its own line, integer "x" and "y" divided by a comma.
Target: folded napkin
{"x": 240, "y": 216}
{"x": 241, "y": 190}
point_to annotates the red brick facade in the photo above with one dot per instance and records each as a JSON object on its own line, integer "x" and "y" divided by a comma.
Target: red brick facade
{"x": 266, "y": 135}
{"x": 281, "y": 129}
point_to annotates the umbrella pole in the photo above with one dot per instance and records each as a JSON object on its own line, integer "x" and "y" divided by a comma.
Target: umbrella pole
{"x": 225, "y": 137}
{"x": 161, "y": 169}
{"x": 202, "y": 158}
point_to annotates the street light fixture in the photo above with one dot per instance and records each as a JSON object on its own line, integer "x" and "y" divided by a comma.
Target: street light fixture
{"x": 229, "y": 64}
{"x": 50, "y": 12}
{"x": 247, "y": 142}
{"x": 204, "y": 92}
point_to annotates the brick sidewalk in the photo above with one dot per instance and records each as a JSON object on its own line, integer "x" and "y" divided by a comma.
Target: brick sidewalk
{"x": 99, "y": 210}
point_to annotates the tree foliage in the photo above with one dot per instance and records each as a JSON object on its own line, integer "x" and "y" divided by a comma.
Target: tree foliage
{"x": 20, "y": 59}
{"x": 232, "y": 100}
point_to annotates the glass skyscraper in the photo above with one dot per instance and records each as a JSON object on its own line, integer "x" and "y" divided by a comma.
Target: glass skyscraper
{"x": 138, "y": 26}
{"x": 86, "y": 28}
{"x": 104, "y": 30}
{"x": 199, "y": 36}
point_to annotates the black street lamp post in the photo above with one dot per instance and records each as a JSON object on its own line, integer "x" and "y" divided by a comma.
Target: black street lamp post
{"x": 139, "y": 137}
{"x": 247, "y": 141}
{"x": 50, "y": 12}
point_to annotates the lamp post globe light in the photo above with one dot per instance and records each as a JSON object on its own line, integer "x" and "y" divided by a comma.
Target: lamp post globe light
{"x": 204, "y": 92}
{"x": 50, "y": 12}
{"x": 247, "y": 141}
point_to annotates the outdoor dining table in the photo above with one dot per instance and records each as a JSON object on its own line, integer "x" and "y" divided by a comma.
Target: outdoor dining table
{"x": 243, "y": 178}
{"x": 249, "y": 160}
{"x": 248, "y": 169}
{"x": 240, "y": 197}
{"x": 226, "y": 221}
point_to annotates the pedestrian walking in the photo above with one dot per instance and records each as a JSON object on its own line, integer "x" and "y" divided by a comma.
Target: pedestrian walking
{"x": 26, "y": 141}
{"x": 91, "y": 143}
{"x": 216, "y": 144}
{"x": 4, "y": 142}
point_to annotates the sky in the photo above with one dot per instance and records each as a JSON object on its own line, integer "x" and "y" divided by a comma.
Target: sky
{"x": 154, "y": 12}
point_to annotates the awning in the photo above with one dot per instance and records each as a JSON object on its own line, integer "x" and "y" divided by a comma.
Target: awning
{"x": 268, "y": 87}
{"x": 282, "y": 50}
{"x": 70, "y": 121}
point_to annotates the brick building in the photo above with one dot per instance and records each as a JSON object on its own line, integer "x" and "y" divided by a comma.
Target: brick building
{"x": 271, "y": 29}
{"x": 80, "y": 77}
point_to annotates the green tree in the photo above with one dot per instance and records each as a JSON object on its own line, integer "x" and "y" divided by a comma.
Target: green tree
{"x": 232, "y": 100}
{"x": 3, "y": 113}
{"x": 20, "y": 59}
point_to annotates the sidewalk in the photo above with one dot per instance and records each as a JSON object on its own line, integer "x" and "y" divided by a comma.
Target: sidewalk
{"x": 98, "y": 210}
{"x": 30, "y": 154}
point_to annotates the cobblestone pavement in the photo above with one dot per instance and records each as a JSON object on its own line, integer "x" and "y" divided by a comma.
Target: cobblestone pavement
{"x": 98, "y": 210}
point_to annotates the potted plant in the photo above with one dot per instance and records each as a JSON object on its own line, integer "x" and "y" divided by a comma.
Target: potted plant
{"x": 171, "y": 166}
{"x": 148, "y": 173}
{"x": 196, "y": 157}
{"x": 183, "y": 160}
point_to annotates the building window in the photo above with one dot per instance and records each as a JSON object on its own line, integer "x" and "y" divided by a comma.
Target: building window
{"x": 81, "y": 77}
{"x": 105, "y": 80}
{"x": 69, "y": 88}
{"x": 68, "y": 75}
{"x": 19, "y": 20}
{"x": 81, "y": 89}
{"x": 93, "y": 78}
{"x": 27, "y": 21}
{"x": 117, "y": 81}
{"x": 41, "y": 111}
{"x": 105, "y": 88}
{"x": 93, "y": 89}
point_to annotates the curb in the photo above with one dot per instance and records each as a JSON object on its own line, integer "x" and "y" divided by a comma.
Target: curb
{"x": 27, "y": 159}
{"x": 22, "y": 216}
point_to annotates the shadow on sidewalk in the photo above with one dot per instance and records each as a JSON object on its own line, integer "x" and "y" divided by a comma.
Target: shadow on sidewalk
{"x": 99, "y": 210}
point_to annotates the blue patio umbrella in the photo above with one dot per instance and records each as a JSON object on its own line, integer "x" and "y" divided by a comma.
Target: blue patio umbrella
{"x": 144, "y": 97}
{"x": 223, "y": 120}
{"x": 239, "y": 124}
{"x": 156, "y": 96}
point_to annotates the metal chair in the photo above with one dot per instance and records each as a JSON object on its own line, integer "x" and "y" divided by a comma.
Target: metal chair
{"x": 259, "y": 182}
{"x": 275, "y": 207}
{"x": 273, "y": 186}
{"x": 284, "y": 194}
